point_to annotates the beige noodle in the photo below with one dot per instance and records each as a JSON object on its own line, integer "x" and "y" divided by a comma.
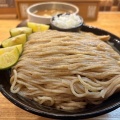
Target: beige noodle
{"x": 66, "y": 70}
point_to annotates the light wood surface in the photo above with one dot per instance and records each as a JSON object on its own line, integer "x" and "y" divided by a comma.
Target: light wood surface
{"x": 8, "y": 111}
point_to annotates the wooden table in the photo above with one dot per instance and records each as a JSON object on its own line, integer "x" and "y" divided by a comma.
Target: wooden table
{"x": 8, "y": 111}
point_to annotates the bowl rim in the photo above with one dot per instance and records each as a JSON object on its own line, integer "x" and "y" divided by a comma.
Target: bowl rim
{"x": 43, "y": 3}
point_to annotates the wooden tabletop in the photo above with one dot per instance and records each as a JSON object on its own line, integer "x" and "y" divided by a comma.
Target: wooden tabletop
{"x": 8, "y": 111}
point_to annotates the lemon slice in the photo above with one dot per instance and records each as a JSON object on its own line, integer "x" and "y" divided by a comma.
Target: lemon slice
{"x": 20, "y": 30}
{"x": 37, "y": 27}
{"x": 19, "y": 39}
{"x": 9, "y": 58}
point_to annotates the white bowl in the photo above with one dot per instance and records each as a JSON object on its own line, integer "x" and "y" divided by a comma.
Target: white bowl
{"x": 32, "y": 17}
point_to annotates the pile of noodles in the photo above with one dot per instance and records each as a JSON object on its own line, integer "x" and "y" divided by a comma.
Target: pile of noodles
{"x": 66, "y": 70}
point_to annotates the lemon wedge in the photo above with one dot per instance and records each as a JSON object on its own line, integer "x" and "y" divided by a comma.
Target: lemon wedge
{"x": 7, "y": 49}
{"x": 20, "y": 30}
{"x": 8, "y": 57}
{"x": 20, "y": 48}
{"x": 37, "y": 27}
{"x": 19, "y": 39}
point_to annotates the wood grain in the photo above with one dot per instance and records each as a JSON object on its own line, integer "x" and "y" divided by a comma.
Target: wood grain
{"x": 8, "y": 111}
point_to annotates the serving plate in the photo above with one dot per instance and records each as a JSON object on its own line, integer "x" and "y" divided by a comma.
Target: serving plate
{"x": 109, "y": 105}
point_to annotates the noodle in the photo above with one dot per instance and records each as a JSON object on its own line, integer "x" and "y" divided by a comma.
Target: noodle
{"x": 66, "y": 70}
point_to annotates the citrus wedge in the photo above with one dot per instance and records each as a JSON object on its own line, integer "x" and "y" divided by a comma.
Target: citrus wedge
{"x": 7, "y": 49}
{"x": 20, "y": 48}
{"x": 36, "y": 27}
{"x": 20, "y": 30}
{"x": 9, "y": 58}
{"x": 19, "y": 39}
